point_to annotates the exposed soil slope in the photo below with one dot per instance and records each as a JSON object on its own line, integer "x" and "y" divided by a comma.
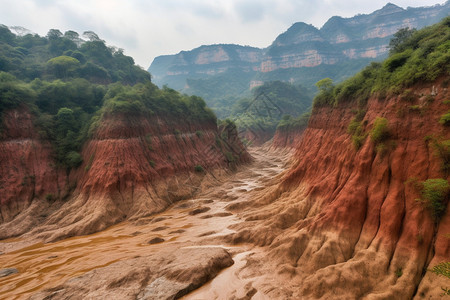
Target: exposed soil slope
{"x": 27, "y": 167}
{"x": 134, "y": 165}
{"x": 343, "y": 223}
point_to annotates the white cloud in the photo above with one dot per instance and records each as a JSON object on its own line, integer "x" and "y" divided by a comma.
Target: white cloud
{"x": 146, "y": 29}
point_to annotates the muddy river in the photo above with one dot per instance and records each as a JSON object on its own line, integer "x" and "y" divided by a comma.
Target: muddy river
{"x": 199, "y": 222}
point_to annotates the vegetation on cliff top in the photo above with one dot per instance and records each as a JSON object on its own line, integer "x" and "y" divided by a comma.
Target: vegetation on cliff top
{"x": 149, "y": 99}
{"x": 69, "y": 83}
{"x": 421, "y": 56}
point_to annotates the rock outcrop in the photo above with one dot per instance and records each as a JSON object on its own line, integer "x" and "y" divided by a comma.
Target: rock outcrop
{"x": 134, "y": 165}
{"x": 345, "y": 223}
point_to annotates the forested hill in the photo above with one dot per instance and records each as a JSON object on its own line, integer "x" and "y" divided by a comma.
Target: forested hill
{"x": 64, "y": 56}
{"x": 70, "y": 82}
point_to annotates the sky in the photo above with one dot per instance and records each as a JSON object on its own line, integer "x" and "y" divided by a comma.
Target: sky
{"x": 149, "y": 28}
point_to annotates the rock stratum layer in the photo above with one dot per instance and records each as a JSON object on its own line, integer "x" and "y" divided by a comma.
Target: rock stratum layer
{"x": 345, "y": 223}
{"x": 27, "y": 166}
{"x": 133, "y": 165}
{"x": 302, "y": 54}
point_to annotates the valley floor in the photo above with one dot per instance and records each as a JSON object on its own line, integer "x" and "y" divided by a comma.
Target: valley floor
{"x": 165, "y": 256}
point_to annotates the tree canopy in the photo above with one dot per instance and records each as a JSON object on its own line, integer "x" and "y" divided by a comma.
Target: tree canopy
{"x": 55, "y": 56}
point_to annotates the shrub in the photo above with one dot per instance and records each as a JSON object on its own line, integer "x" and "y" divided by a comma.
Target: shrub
{"x": 198, "y": 169}
{"x": 358, "y": 141}
{"x": 199, "y": 133}
{"x": 434, "y": 195}
{"x": 442, "y": 269}
{"x": 397, "y": 60}
{"x": 414, "y": 108}
{"x": 355, "y": 128}
{"x": 73, "y": 159}
{"x": 152, "y": 163}
{"x": 442, "y": 150}
{"x": 399, "y": 272}
{"x": 381, "y": 149}
{"x": 379, "y": 130}
{"x": 445, "y": 119}
{"x": 49, "y": 197}
{"x": 229, "y": 156}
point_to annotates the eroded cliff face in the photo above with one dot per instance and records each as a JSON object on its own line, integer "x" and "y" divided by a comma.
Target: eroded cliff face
{"x": 28, "y": 170}
{"x": 344, "y": 223}
{"x": 134, "y": 165}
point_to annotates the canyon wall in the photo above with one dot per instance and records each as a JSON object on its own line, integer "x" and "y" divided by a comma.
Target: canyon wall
{"x": 133, "y": 165}
{"x": 28, "y": 169}
{"x": 345, "y": 222}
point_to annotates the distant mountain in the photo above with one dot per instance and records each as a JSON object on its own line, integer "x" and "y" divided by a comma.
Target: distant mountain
{"x": 302, "y": 55}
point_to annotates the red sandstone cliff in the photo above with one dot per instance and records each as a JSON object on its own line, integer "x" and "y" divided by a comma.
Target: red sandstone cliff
{"x": 133, "y": 166}
{"x": 27, "y": 166}
{"x": 343, "y": 223}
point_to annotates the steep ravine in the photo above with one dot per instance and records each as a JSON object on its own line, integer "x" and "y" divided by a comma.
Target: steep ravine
{"x": 163, "y": 256}
{"x": 344, "y": 223}
{"x": 134, "y": 165}
{"x": 339, "y": 223}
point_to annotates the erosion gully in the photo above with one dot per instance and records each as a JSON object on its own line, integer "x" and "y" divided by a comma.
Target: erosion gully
{"x": 188, "y": 223}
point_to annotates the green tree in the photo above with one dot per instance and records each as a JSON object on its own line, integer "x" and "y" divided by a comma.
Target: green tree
{"x": 73, "y": 36}
{"x": 325, "y": 95}
{"x": 325, "y": 85}
{"x": 62, "y": 66}
{"x": 380, "y": 130}
{"x": 397, "y": 43}
{"x": 6, "y": 35}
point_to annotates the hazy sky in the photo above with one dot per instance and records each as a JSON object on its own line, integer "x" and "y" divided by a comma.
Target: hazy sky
{"x": 148, "y": 28}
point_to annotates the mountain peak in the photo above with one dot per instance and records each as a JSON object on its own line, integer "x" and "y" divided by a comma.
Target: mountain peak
{"x": 297, "y": 33}
{"x": 389, "y": 8}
